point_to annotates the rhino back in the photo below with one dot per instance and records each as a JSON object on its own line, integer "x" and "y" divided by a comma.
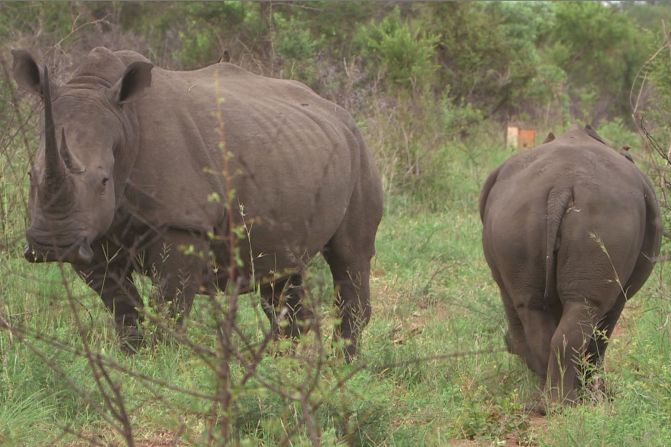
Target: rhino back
{"x": 294, "y": 157}
{"x": 562, "y": 163}
{"x": 607, "y": 203}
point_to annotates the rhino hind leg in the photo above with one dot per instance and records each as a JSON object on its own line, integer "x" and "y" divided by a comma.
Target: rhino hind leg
{"x": 539, "y": 327}
{"x": 515, "y": 339}
{"x": 597, "y": 347}
{"x": 283, "y": 304}
{"x": 570, "y": 343}
{"x": 348, "y": 254}
{"x": 113, "y": 282}
{"x": 530, "y": 323}
{"x": 350, "y": 273}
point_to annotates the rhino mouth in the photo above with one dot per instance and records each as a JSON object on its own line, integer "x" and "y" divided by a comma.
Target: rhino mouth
{"x": 77, "y": 253}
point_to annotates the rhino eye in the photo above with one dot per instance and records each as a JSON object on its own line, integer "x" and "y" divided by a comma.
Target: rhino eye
{"x": 105, "y": 180}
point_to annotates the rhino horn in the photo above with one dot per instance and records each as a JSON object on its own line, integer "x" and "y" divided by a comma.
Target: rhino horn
{"x": 53, "y": 189}
{"x": 54, "y": 169}
{"x": 68, "y": 157}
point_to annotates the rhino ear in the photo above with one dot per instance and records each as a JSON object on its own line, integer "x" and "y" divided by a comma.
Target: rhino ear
{"x": 135, "y": 79}
{"x": 592, "y": 133}
{"x": 26, "y": 72}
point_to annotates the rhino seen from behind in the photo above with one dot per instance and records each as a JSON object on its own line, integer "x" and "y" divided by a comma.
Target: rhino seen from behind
{"x": 571, "y": 230}
{"x": 137, "y": 162}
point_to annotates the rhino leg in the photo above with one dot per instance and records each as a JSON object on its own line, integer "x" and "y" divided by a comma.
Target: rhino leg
{"x": 350, "y": 279}
{"x": 569, "y": 344}
{"x": 640, "y": 274}
{"x": 515, "y": 340}
{"x": 283, "y": 304}
{"x": 539, "y": 327}
{"x": 177, "y": 262}
{"x": 113, "y": 282}
{"x": 348, "y": 255}
{"x": 529, "y": 328}
{"x": 597, "y": 347}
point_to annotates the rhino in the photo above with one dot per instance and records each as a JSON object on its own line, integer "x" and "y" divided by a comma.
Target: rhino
{"x": 571, "y": 230}
{"x": 215, "y": 177}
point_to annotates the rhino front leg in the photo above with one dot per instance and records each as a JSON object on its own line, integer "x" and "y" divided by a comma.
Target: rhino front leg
{"x": 113, "y": 282}
{"x": 176, "y": 262}
{"x": 284, "y": 307}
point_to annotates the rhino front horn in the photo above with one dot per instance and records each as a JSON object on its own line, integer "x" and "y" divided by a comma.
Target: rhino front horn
{"x": 54, "y": 166}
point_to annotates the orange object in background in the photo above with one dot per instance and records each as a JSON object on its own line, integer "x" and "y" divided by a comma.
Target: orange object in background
{"x": 520, "y": 137}
{"x": 526, "y": 138}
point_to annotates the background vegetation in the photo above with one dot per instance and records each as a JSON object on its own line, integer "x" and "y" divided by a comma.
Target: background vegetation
{"x": 432, "y": 86}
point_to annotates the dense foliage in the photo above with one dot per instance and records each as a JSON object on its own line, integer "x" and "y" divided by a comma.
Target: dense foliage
{"x": 511, "y": 60}
{"x": 444, "y": 67}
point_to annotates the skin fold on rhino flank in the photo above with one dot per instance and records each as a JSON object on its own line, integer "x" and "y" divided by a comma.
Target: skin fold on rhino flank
{"x": 570, "y": 232}
{"x": 132, "y": 165}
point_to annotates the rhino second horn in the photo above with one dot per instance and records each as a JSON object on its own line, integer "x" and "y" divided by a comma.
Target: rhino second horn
{"x": 68, "y": 157}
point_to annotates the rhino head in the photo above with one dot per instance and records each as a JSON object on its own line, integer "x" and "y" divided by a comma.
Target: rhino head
{"x": 73, "y": 195}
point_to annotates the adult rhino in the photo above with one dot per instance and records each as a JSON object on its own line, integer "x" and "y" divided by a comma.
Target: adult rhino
{"x": 137, "y": 166}
{"x": 571, "y": 230}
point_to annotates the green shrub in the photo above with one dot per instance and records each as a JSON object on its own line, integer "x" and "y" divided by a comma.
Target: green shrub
{"x": 398, "y": 54}
{"x": 618, "y": 135}
{"x": 460, "y": 121}
{"x": 298, "y": 48}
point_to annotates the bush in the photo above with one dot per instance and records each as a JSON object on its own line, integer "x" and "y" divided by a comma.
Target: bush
{"x": 460, "y": 121}
{"x": 299, "y": 50}
{"x": 618, "y": 135}
{"x": 397, "y": 54}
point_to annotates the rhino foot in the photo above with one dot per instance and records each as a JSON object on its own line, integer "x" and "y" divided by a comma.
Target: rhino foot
{"x": 597, "y": 390}
{"x": 537, "y": 408}
{"x": 131, "y": 339}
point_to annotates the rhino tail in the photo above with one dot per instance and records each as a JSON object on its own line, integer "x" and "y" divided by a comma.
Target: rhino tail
{"x": 557, "y": 203}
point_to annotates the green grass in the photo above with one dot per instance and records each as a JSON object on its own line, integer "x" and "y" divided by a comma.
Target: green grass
{"x": 432, "y": 368}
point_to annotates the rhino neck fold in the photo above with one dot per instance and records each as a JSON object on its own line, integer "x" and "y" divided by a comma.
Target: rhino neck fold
{"x": 126, "y": 153}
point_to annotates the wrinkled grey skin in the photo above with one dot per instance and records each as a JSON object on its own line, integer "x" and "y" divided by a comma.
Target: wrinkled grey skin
{"x": 131, "y": 170}
{"x": 570, "y": 232}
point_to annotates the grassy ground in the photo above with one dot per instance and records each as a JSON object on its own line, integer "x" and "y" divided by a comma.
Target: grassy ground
{"x": 433, "y": 370}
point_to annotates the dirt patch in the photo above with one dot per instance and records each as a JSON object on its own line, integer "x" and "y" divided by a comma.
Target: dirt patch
{"x": 463, "y": 443}
{"x": 410, "y": 313}
{"x": 163, "y": 439}
{"x": 413, "y": 325}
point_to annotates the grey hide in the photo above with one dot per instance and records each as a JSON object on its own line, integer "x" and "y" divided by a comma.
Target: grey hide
{"x": 188, "y": 176}
{"x": 570, "y": 232}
